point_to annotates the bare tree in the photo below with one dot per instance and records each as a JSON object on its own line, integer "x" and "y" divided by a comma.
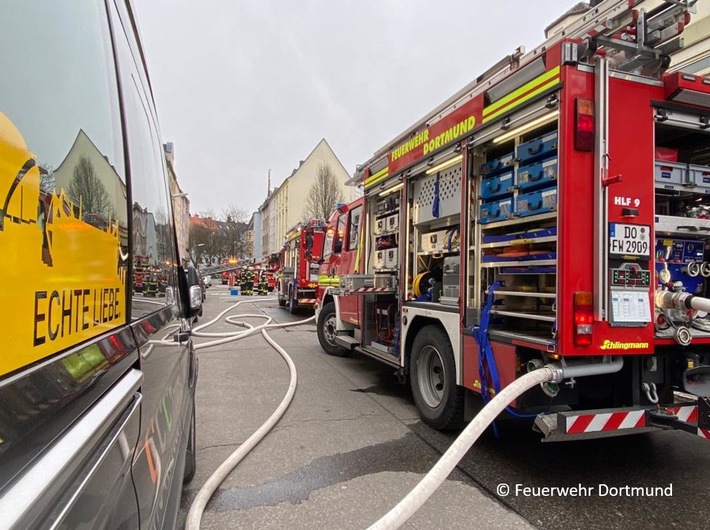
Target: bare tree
{"x": 201, "y": 243}
{"x": 47, "y": 181}
{"x": 234, "y": 231}
{"x": 88, "y": 190}
{"x": 324, "y": 195}
{"x": 217, "y": 237}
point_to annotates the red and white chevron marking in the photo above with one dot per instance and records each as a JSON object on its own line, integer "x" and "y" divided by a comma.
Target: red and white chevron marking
{"x": 704, "y": 433}
{"x": 606, "y": 421}
{"x": 370, "y": 290}
{"x": 686, "y": 413}
{"x": 306, "y": 301}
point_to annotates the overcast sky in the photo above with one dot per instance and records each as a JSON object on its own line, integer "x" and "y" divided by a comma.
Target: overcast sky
{"x": 244, "y": 86}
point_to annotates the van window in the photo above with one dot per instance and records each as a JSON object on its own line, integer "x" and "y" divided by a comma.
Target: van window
{"x": 63, "y": 212}
{"x": 154, "y": 266}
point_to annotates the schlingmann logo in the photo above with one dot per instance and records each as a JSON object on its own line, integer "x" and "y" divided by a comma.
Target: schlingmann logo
{"x": 616, "y": 345}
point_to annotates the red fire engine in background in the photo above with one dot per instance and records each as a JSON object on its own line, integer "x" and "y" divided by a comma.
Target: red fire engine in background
{"x": 552, "y": 211}
{"x": 272, "y": 266}
{"x": 232, "y": 273}
{"x": 298, "y": 277}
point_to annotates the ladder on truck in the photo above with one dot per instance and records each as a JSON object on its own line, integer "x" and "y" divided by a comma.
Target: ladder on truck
{"x": 632, "y": 36}
{"x": 634, "y": 39}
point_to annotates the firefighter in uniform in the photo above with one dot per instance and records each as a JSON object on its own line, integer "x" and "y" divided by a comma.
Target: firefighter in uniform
{"x": 243, "y": 281}
{"x": 263, "y": 288}
{"x": 248, "y": 281}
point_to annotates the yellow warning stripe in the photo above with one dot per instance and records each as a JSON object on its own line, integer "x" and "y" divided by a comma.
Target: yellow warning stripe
{"x": 377, "y": 177}
{"x": 357, "y": 258}
{"x": 329, "y": 281}
{"x": 514, "y": 99}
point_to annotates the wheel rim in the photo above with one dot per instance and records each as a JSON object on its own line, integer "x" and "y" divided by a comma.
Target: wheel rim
{"x": 329, "y": 329}
{"x": 431, "y": 376}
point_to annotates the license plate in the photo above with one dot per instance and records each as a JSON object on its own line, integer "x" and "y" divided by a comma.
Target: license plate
{"x": 629, "y": 240}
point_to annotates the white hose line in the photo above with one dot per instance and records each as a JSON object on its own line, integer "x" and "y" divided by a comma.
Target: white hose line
{"x": 398, "y": 515}
{"x": 231, "y": 337}
{"x": 194, "y": 515}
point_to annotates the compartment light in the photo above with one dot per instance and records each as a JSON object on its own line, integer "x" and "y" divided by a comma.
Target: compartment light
{"x": 537, "y": 122}
{"x": 451, "y": 162}
{"x": 391, "y": 190}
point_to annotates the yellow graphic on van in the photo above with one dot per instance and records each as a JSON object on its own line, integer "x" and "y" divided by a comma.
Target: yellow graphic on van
{"x": 62, "y": 277}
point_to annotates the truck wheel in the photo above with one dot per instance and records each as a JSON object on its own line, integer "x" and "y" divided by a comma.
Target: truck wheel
{"x": 439, "y": 400}
{"x": 292, "y": 303}
{"x": 326, "y": 331}
{"x": 282, "y": 302}
{"x": 191, "y": 451}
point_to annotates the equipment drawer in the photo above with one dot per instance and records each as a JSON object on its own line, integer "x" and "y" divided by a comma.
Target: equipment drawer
{"x": 671, "y": 172}
{"x": 536, "y": 202}
{"x": 392, "y": 223}
{"x": 496, "y": 210}
{"x": 497, "y": 186}
{"x": 379, "y": 259}
{"x": 391, "y": 258}
{"x": 540, "y": 147}
{"x": 699, "y": 176}
{"x": 380, "y": 225}
{"x": 538, "y": 174}
{"x": 497, "y": 165}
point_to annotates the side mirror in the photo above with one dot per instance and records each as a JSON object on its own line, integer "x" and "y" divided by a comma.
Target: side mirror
{"x": 190, "y": 292}
{"x": 195, "y": 299}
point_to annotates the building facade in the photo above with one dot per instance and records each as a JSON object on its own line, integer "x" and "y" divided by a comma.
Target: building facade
{"x": 284, "y": 207}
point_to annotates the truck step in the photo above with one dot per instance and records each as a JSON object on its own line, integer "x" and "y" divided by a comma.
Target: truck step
{"x": 346, "y": 341}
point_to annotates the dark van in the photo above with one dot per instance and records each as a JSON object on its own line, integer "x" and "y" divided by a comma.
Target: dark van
{"x": 97, "y": 379}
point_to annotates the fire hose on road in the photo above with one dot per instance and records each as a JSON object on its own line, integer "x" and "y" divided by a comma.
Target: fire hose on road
{"x": 194, "y": 515}
{"x": 433, "y": 479}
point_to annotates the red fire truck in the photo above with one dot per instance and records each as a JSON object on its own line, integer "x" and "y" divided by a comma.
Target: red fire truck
{"x": 298, "y": 278}
{"x": 551, "y": 212}
{"x": 232, "y": 272}
{"x": 272, "y": 266}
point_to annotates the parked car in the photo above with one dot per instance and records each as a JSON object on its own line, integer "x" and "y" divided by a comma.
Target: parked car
{"x": 208, "y": 281}
{"x": 97, "y": 428}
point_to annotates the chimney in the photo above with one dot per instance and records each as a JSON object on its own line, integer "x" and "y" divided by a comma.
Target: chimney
{"x": 268, "y": 186}
{"x": 169, "y": 151}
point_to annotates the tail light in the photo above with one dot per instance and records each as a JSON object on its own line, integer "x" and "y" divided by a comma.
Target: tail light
{"x": 583, "y": 319}
{"x": 584, "y": 125}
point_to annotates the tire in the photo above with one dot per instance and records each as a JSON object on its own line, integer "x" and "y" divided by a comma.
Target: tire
{"x": 191, "y": 450}
{"x": 326, "y": 332}
{"x": 292, "y": 303}
{"x": 439, "y": 400}
{"x": 279, "y": 295}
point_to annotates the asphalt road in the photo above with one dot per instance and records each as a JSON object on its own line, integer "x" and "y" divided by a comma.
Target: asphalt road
{"x": 351, "y": 446}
